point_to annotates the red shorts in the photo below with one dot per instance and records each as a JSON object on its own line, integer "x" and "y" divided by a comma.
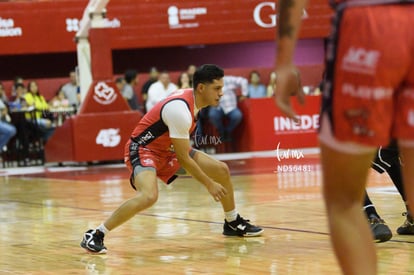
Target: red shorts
{"x": 369, "y": 82}
{"x": 165, "y": 164}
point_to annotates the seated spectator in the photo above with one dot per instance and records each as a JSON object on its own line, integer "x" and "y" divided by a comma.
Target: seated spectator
{"x": 42, "y": 116}
{"x": 19, "y": 101}
{"x": 184, "y": 81}
{"x": 190, "y": 71}
{"x": 3, "y": 95}
{"x": 59, "y": 100}
{"x": 60, "y": 108}
{"x": 71, "y": 90}
{"x": 13, "y": 93}
{"x": 271, "y": 86}
{"x": 228, "y": 107}
{"x": 7, "y": 130}
{"x": 160, "y": 90}
{"x": 120, "y": 83}
{"x": 256, "y": 88}
{"x": 153, "y": 77}
{"x": 128, "y": 92}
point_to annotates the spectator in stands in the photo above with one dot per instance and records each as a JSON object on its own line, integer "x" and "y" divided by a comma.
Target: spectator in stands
{"x": 60, "y": 108}
{"x": 120, "y": 83}
{"x": 256, "y": 88}
{"x": 7, "y": 130}
{"x": 190, "y": 71}
{"x": 3, "y": 95}
{"x": 42, "y": 115}
{"x": 72, "y": 91}
{"x": 17, "y": 80}
{"x": 19, "y": 101}
{"x": 160, "y": 90}
{"x": 59, "y": 100}
{"x": 228, "y": 106}
{"x": 153, "y": 77}
{"x": 184, "y": 81}
{"x": 128, "y": 92}
{"x": 271, "y": 86}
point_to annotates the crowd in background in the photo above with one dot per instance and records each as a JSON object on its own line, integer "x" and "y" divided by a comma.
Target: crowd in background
{"x": 141, "y": 96}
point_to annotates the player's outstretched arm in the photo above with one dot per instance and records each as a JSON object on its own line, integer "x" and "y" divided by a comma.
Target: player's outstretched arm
{"x": 181, "y": 148}
{"x": 288, "y": 78}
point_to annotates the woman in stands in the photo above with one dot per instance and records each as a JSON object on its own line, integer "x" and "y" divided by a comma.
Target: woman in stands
{"x": 38, "y": 102}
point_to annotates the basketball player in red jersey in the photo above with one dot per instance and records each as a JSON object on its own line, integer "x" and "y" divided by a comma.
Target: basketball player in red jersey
{"x": 160, "y": 145}
{"x": 368, "y": 98}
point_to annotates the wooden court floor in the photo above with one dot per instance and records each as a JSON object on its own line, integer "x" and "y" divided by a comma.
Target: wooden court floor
{"x": 44, "y": 212}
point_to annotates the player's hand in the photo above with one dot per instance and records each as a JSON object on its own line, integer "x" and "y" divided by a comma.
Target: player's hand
{"x": 288, "y": 84}
{"x": 217, "y": 191}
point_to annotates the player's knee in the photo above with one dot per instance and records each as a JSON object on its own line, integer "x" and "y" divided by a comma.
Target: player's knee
{"x": 223, "y": 170}
{"x": 341, "y": 199}
{"x": 147, "y": 199}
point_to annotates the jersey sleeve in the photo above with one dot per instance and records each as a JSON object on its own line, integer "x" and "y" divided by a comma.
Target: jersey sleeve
{"x": 176, "y": 115}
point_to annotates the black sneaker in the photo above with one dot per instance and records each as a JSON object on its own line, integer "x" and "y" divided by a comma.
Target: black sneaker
{"x": 380, "y": 230}
{"x": 408, "y": 227}
{"x": 241, "y": 227}
{"x": 93, "y": 241}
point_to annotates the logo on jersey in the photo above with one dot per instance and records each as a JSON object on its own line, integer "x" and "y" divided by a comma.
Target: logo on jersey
{"x": 104, "y": 94}
{"x": 358, "y": 119}
{"x": 360, "y": 60}
{"x": 148, "y": 162}
{"x": 108, "y": 137}
{"x": 366, "y": 92}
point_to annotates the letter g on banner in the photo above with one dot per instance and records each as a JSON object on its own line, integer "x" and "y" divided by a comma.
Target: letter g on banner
{"x": 268, "y": 22}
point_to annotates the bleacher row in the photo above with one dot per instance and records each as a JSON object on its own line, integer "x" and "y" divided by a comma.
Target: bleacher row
{"x": 311, "y": 75}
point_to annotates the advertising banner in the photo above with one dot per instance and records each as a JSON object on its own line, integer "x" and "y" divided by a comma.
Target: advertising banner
{"x": 50, "y": 26}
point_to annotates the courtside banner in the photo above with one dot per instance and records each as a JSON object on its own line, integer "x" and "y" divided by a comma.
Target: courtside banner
{"x": 265, "y": 127}
{"x": 50, "y": 26}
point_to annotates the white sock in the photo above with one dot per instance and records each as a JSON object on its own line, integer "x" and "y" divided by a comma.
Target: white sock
{"x": 231, "y": 215}
{"x": 103, "y": 229}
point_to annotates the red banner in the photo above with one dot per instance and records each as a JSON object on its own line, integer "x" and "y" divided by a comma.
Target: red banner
{"x": 50, "y": 26}
{"x": 264, "y": 127}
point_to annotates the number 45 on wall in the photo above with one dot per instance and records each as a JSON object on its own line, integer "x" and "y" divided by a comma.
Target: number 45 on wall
{"x": 108, "y": 137}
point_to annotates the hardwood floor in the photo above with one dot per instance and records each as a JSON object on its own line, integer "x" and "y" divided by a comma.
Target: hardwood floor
{"x": 44, "y": 212}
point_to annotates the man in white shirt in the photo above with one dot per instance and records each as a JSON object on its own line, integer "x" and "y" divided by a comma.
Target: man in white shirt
{"x": 71, "y": 90}
{"x": 228, "y": 106}
{"x": 160, "y": 90}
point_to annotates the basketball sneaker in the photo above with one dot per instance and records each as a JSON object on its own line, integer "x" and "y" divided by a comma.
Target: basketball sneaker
{"x": 93, "y": 241}
{"x": 241, "y": 227}
{"x": 408, "y": 227}
{"x": 380, "y": 230}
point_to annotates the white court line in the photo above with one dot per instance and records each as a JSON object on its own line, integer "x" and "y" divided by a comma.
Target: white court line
{"x": 227, "y": 156}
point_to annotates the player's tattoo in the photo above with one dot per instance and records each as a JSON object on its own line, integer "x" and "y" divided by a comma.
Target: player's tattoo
{"x": 285, "y": 26}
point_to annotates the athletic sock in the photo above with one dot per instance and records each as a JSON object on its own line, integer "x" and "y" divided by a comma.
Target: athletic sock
{"x": 103, "y": 229}
{"x": 231, "y": 215}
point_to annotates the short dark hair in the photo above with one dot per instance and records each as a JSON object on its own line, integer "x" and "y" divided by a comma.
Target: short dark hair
{"x": 18, "y": 85}
{"x": 130, "y": 75}
{"x": 206, "y": 74}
